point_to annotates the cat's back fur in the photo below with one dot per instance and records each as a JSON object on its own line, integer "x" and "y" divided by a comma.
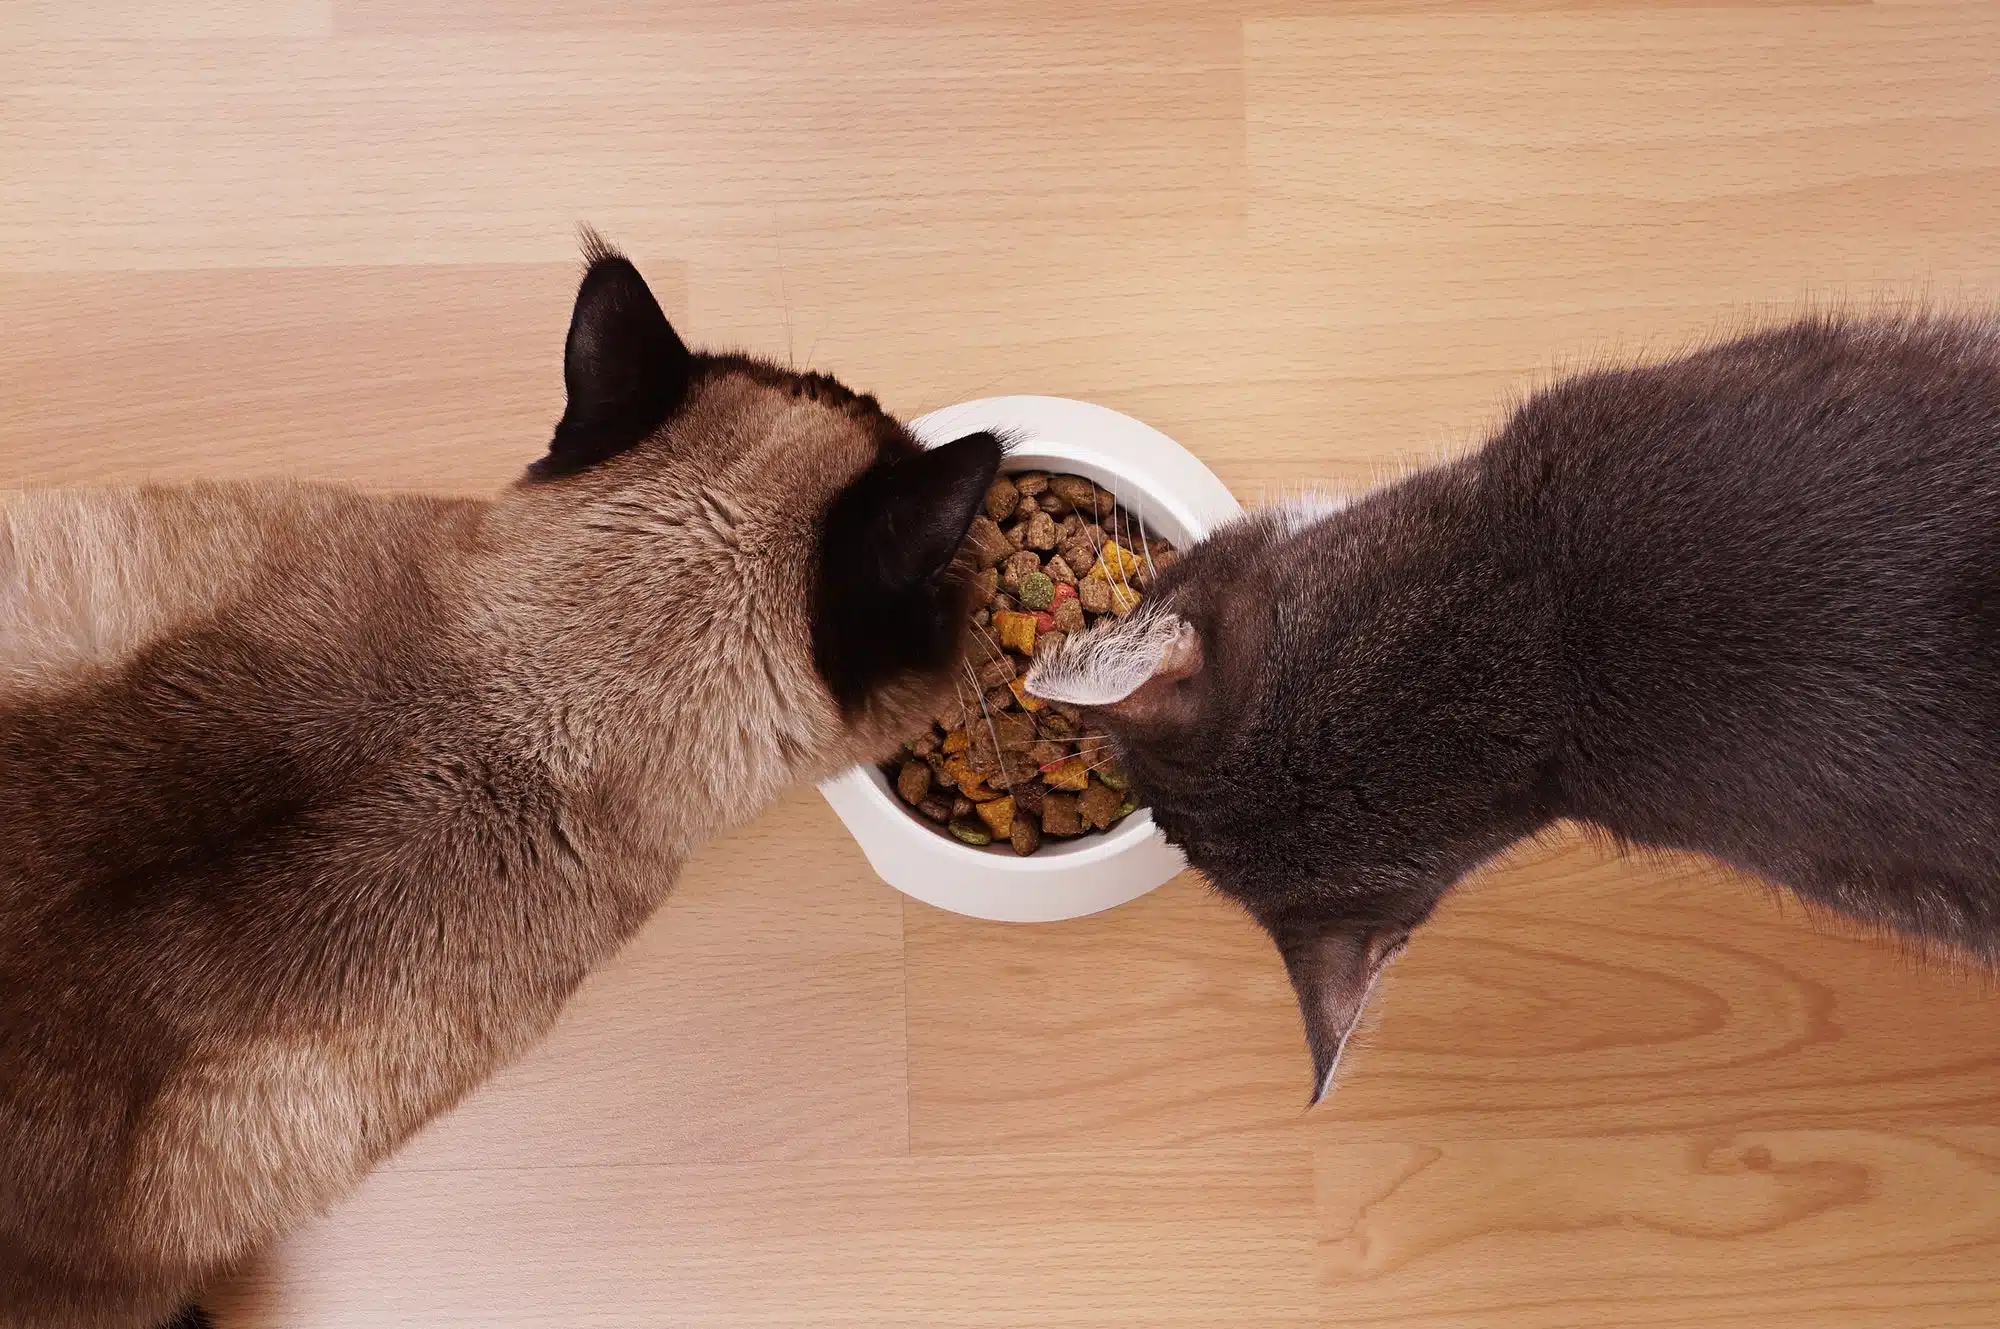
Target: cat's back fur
{"x": 315, "y": 806}
{"x": 204, "y": 779}
{"x": 1774, "y": 567}
{"x": 1744, "y": 602}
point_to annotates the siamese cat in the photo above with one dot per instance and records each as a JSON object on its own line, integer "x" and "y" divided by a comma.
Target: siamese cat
{"x": 1745, "y": 603}
{"x": 315, "y": 807}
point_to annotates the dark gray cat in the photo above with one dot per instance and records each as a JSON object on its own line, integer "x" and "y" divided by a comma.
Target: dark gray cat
{"x": 1745, "y": 603}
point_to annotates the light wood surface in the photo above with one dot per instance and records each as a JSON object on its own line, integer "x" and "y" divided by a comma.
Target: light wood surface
{"x": 1314, "y": 241}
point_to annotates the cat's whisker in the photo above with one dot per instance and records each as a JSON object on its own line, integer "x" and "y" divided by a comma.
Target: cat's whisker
{"x": 992, "y": 731}
{"x": 987, "y": 636}
{"x": 1096, "y": 546}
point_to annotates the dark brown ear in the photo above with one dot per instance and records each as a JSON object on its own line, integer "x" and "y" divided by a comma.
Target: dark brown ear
{"x": 887, "y": 600}
{"x": 625, "y": 369}
{"x": 1334, "y": 968}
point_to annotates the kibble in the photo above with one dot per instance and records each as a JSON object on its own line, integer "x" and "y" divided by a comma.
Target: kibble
{"x": 1052, "y": 554}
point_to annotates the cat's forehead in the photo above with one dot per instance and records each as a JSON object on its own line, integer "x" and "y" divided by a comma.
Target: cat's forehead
{"x": 789, "y": 437}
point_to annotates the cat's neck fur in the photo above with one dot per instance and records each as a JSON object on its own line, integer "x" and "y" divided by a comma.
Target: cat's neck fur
{"x": 689, "y": 710}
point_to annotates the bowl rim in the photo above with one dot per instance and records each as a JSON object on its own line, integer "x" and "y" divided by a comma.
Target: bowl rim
{"x": 1092, "y": 873}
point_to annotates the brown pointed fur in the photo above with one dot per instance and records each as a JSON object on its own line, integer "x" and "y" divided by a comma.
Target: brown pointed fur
{"x": 315, "y": 807}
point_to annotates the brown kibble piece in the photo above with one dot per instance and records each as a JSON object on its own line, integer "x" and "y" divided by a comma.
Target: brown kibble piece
{"x": 913, "y": 782}
{"x": 1028, "y": 796}
{"x": 995, "y": 673}
{"x": 980, "y": 756}
{"x": 1016, "y": 567}
{"x": 999, "y": 699}
{"x": 998, "y": 814}
{"x": 1060, "y": 815}
{"x": 1058, "y": 571}
{"x": 935, "y": 809}
{"x": 1069, "y": 615}
{"x": 1041, "y": 531}
{"x": 1095, "y": 592}
{"x": 1032, "y": 483}
{"x": 1076, "y": 491}
{"x": 1001, "y": 499}
{"x": 961, "y": 807}
{"x": 981, "y": 617}
{"x": 1083, "y": 494}
{"x": 1017, "y": 535}
{"x": 988, "y": 543}
{"x": 926, "y": 745}
{"x": 1026, "y": 508}
{"x": 1048, "y": 643}
{"x": 1080, "y": 550}
{"x": 984, "y": 584}
{"x": 1026, "y": 835}
{"x": 1054, "y": 724}
{"x": 1099, "y": 805}
{"x": 982, "y": 646}
{"x": 1015, "y": 730}
{"x": 1045, "y": 751}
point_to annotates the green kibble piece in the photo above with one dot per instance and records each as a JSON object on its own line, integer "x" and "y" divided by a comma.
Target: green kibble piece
{"x": 1038, "y": 591}
{"x": 1126, "y": 809}
{"x": 971, "y": 831}
{"x": 1114, "y": 775}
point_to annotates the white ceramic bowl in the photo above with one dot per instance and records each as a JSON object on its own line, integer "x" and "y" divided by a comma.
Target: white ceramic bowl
{"x": 1160, "y": 483}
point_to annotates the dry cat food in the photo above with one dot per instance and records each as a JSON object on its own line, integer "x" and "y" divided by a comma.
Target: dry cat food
{"x": 1053, "y": 553}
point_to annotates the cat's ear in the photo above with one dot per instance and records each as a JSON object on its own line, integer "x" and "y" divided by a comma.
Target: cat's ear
{"x": 1133, "y": 669}
{"x": 1334, "y": 966}
{"x": 625, "y": 369}
{"x": 888, "y": 602}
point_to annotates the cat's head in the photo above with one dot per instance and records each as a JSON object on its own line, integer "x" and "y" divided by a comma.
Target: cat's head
{"x": 759, "y": 560}
{"x": 1302, "y": 705}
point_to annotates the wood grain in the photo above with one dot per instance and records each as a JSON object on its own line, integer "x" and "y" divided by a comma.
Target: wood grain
{"x": 1101, "y": 1241}
{"x": 1315, "y": 241}
{"x": 1805, "y": 1228}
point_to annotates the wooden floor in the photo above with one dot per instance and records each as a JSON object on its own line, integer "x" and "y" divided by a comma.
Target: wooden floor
{"x": 1312, "y": 241}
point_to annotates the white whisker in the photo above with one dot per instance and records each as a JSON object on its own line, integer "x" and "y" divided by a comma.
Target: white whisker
{"x": 991, "y": 731}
